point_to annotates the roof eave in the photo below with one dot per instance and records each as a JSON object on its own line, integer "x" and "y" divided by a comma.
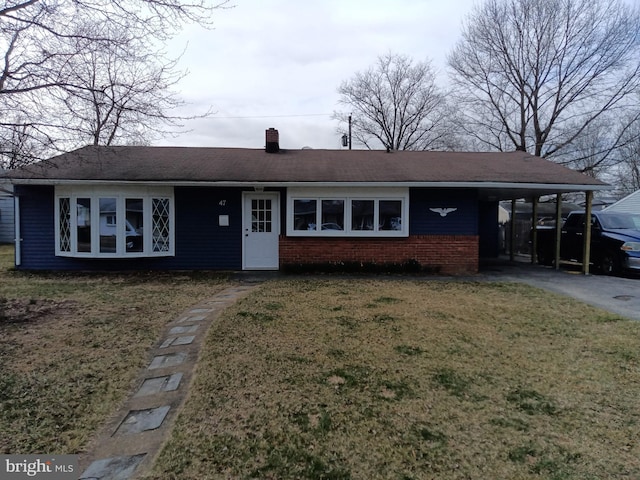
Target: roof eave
{"x": 560, "y": 187}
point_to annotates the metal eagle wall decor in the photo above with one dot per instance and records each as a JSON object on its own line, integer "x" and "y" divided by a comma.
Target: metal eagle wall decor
{"x": 443, "y": 211}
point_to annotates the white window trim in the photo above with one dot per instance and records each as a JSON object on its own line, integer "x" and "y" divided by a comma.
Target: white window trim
{"x": 347, "y": 194}
{"x": 120, "y": 194}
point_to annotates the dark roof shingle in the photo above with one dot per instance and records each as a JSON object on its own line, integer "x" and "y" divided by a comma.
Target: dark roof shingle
{"x": 195, "y": 164}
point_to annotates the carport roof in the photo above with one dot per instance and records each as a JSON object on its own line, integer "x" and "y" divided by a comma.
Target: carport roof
{"x": 499, "y": 175}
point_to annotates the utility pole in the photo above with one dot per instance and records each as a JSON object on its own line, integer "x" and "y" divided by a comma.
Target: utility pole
{"x": 346, "y": 139}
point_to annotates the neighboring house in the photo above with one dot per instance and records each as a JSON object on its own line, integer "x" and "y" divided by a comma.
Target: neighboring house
{"x": 628, "y": 204}
{"x": 7, "y": 220}
{"x": 252, "y": 209}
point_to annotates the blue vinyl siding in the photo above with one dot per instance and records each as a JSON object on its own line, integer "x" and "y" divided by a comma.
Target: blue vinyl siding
{"x": 489, "y": 230}
{"x": 463, "y": 221}
{"x": 37, "y": 228}
{"x": 200, "y": 242}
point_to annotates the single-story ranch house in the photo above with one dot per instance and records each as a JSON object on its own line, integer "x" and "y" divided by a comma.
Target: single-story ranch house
{"x": 170, "y": 208}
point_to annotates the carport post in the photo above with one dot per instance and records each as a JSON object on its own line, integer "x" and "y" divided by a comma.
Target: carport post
{"x": 512, "y": 242}
{"x": 586, "y": 250}
{"x": 558, "y": 230}
{"x": 534, "y": 230}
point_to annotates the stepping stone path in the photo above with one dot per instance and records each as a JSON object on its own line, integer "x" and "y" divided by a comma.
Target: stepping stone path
{"x": 131, "y": 440}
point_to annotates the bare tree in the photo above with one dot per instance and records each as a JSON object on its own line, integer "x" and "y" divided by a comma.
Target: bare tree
{"x": 536, "y": 75}
{"x": 395, "y": 103}
{"x": 42, "y": 42}
{"x": 626, "y": 174}
{"x": 20, "y": 144}
{"x": 600, "y": 146}
{"x": 118, "y": 93}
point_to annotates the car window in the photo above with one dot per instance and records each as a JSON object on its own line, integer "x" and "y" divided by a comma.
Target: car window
{"x": 619, "y": 221}
{"x": 574, "y": 221}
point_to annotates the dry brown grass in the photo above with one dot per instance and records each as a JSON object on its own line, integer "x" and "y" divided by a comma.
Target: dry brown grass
{"x": 404, "y": 379}
{"x": 332, "y": 378}
{"x": 72, "y": 344}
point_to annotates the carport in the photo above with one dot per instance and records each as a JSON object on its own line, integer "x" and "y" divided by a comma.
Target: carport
{"x": 533, "y": 193}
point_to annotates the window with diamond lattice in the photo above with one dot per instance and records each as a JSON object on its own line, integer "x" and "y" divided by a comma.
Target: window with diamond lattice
{"x": 261, "y": 220}
{"x": 160, "y": 224}
{"x": 65, "y": 224}
{"x": 127, "y": 222}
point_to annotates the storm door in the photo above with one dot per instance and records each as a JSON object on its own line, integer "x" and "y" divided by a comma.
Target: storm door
{"x": 261, "y": 229}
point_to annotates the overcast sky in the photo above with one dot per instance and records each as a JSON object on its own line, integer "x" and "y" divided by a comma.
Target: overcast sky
{"x": 278, "y": 63}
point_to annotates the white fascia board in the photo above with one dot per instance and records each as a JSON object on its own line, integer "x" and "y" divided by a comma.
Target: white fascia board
{"x": 54, "y": 182}
{"x": 181, "y": 183}
{"x": 482, "y": 185}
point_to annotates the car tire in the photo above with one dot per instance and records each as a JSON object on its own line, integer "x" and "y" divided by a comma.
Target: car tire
{"x": 609, "y": 264}
{"x": 545, "y": 258}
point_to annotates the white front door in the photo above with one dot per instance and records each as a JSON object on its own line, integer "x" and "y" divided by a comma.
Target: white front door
{"x": 260, "y": 231}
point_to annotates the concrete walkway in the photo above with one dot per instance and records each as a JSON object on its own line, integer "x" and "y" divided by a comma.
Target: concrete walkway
{"x": 128, "y": 444}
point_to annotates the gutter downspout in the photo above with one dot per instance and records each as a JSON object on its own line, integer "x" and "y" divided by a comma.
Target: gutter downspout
{"x": 558, "y": 230}
{"x": 18, "y": 233}
{"x": 512, "y": 233}
{"x": 586, "y": 249}
{"x": 534, "y": 229}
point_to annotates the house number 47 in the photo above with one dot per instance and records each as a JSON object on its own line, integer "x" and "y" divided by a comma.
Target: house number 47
{"x": 222, "y": 203}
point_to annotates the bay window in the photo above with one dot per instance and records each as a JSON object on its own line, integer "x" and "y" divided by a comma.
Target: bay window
{"x": 114, "y": 222}
{"x": 341, "y": 212}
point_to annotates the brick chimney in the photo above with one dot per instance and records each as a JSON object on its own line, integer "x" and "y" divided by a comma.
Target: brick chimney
{"x": 272, "y": 141}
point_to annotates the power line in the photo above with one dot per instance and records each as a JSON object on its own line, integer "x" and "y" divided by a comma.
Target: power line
{"x": 274, "y": 116}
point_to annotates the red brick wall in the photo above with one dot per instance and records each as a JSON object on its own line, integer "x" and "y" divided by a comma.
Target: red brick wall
{"x": 451, "y": 254}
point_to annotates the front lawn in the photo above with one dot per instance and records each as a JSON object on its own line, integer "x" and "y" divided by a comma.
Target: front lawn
{"x": 72, "y": 344}
{"x": 411, "y": 379}
{"x": 331, "y": 378}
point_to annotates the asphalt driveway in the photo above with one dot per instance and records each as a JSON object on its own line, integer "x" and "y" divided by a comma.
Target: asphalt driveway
{"x": 620, "y": 295}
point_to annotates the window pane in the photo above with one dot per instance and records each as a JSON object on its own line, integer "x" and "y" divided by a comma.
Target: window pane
{"x": 390, "y": 215}
{"x": 362, "y": 214}
{"x": 108, "y": 225}
{"x": 261, "y": 215}
{"x": 134, "y": 225}
{"x": 83, "y": 225}
{"x": 160, "y": 224}
{"x": 65, "y": 224}
{"x": 332, "y": 214}
{"x": 304, "y": 215}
